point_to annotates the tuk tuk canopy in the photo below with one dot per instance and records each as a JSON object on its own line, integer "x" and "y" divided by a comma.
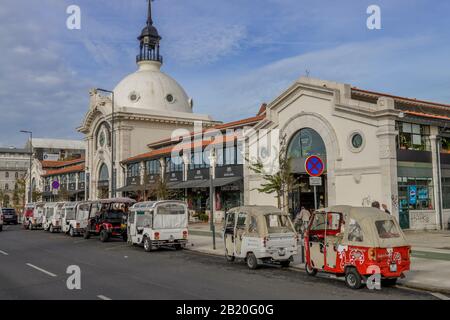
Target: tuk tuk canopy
{"x": 166, "y": 214}
{"x": 263, "y": 220}
{"x": 363, "y": 226}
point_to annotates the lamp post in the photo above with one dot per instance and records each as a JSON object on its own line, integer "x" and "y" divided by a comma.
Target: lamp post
{"x": 212, "y": 162}
{"x": 113, "y": 177}
{"x": 30, "y": 192}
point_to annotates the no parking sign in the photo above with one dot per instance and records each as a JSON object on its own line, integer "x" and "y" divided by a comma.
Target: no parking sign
{"x": 314, "y": 166}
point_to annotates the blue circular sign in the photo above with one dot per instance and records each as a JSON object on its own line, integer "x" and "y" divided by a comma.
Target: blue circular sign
{"x": 55, "y": 184}
{"x": 314, "y": 166}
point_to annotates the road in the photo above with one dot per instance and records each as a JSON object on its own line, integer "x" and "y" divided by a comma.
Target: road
{"x": 33, "y": 266}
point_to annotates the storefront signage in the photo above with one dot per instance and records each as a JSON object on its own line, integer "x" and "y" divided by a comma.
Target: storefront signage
{"x": 133, "y": 181}
{"x": 174, "y": 176}
{"x": 198, "y": 174}
{"x": 229, "y": 171}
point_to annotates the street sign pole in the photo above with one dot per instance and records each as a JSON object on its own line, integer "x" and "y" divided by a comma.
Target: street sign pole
{"x": 315, "y": 198}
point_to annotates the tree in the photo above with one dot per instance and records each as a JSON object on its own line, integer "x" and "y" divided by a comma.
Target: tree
{"x": 36, "y": 195}
{"x": 279, "y": 183}
{"x": 20, "y": 190}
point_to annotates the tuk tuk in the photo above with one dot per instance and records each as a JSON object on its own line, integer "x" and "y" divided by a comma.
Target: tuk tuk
{"x": 156, "y": 224}
{"x": 80, "y": 220}
{"x": 259, "y": 234}
{"x": 68, "y": 214}
{"x": 49, "y": 210}
{"x": 107, "y": 218}
{"x": 355, "y": 243}
{"x": 27, "y": 214}
{"x": 35, "y": 216}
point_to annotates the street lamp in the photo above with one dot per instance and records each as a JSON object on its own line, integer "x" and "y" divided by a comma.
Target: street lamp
{"x": 113, "y": 178}
{"x": 30, "y": 192}
{"x": 212, "y": 162}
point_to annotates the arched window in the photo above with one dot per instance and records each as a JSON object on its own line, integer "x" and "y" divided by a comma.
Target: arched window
{"x": 6, "y": 186}
{"x": 103, "y": 173}
{"x": 6, "y": 174}
{"x": 305, "y": 143}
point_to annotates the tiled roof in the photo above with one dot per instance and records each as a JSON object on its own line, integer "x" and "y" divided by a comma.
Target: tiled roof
{"x": 60, "y": 164}
{"x": 434, "y": 109}
{"x": 224, "y": 126}
{"x": 179, "y": 147}
{"x": 70, "y": 169}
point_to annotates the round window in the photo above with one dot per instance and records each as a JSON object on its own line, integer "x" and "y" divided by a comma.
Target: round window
{"x": 134, "y": 96}
{"x": 357, "y": 141}
{"x": 170, "y": 98}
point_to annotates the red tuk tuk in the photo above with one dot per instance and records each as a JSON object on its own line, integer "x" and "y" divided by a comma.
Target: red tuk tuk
{"x": 355, "y": 243}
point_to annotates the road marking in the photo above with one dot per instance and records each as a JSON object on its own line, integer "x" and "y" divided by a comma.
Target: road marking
{"x": 103, "y": 297}
{"x": 440, "y": 296}
{"x": 41, "y": 270}
{"x": 3, "y": 253}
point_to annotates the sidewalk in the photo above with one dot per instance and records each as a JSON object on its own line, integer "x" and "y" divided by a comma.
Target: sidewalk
{"x": 430, "y": 261}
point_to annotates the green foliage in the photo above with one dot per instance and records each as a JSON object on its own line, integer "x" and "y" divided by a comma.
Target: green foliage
{"x": 279, "y": 183}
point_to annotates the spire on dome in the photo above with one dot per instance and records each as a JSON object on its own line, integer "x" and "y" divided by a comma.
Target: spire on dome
{"x": 149, "y": 40}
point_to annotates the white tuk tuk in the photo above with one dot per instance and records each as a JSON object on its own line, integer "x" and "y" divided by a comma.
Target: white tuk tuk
{"x": 259, "y": 234}
{"x": 37, "y": 217}
{"x": 68, "y": 214}
{"x": 78, "y": 225}
{"x": 155, "y": 224}
{"x": 52, "y": 216}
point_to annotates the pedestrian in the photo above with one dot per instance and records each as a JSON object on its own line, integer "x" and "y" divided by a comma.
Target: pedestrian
{"x": 302, "y": 219}
{"x": 376, "y": 204}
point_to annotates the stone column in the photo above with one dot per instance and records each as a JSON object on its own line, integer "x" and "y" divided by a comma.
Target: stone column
{"x": 434, "y": 131}
{"x": 387, "y": 135}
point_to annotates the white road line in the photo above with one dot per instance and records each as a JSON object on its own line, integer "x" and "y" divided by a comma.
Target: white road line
{"x": 440, "y": 296}
{"x": 3, "y": 253}
{"x": 41, "y": 270}
{"x": 103, "y": 297}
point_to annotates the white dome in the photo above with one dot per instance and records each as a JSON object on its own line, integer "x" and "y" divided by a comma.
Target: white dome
{"x": 149, "y": 88}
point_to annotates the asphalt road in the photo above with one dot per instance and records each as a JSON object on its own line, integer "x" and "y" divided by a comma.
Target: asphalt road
{"x": 33, "y": 266}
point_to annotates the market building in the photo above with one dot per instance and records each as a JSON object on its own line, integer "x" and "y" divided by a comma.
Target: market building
{"x": 147, "y": 105}
{"x": 376, "y": 147}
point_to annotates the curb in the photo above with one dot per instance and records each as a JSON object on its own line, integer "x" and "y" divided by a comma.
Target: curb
{"x": 400, "y": 285}
{"x": 204, "y": 233}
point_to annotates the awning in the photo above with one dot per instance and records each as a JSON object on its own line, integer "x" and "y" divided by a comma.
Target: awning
{"x": 220, "y": 182}
{"x": 129, "y": 188}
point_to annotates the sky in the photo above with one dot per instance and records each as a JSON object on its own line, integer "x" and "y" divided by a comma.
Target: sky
{"x": 230, "y": 56}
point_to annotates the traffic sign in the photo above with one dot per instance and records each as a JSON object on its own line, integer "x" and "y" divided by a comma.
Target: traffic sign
{"x": 55, "y": 184}
{"x": 314, "y": 166}
{"x": 315, "y": 181}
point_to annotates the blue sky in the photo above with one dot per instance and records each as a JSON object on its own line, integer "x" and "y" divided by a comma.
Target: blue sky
{"x": 230, "y": 56}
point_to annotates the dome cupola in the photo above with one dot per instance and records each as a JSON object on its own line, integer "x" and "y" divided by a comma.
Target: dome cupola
{"x": 149, "y": 40}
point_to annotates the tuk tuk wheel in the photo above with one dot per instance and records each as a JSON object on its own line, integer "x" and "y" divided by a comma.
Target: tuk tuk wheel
{"x": 353, "y": 279}
{"x": 125, "y": 237}
{"x": 1, "y": 228}
{"x": 86, "y": 234}
{"x": 71, "y": 232}
{"x": 228, "y": 257}
{"x": 104, "y": 236}
{"x": 51, "y": 229}
{"x": 310, "y": 271}
{"x": 30, "y": 226}
{"x": 252, "y": 262}
{"x": 148, "y": 247}
{"x": 285, "y": 264}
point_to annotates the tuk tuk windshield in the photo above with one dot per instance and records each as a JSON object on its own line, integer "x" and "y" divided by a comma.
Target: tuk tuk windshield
{"x": 49, "y": 212}
{"x": 387, "y": 229}
{"x": 70, "y": 213}
{"x": 320, "y": 223}
{"x": 277, "y": 223}
{"x": 114, "y": 215}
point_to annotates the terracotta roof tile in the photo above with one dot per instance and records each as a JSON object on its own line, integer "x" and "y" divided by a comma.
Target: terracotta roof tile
{"x": 70, "y": 169}
{"x": 59, "y": 164}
